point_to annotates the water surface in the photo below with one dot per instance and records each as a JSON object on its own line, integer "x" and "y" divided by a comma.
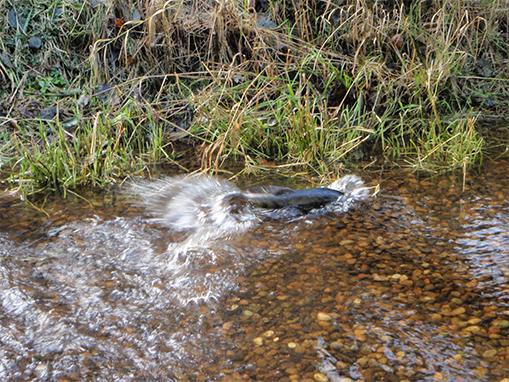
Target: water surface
{"x": 411, "y": 285}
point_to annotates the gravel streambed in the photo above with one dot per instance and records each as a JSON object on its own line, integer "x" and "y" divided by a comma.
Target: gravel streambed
{"x": 412, "y": 285}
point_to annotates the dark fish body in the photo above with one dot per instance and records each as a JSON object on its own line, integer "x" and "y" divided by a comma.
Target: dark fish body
{"x": 280, "y": 198}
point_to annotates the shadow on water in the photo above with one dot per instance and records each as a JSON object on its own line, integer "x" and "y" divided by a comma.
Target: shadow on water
{"x": 411, "y": 285}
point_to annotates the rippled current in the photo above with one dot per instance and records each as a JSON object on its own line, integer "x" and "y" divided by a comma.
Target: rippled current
{"x": 410, "y": 285}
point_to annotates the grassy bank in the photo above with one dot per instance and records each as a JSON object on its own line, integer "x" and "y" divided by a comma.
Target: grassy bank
{"x": 96, "y": 91}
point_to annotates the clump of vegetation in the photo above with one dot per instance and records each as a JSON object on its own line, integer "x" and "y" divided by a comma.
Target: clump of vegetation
{"x": 97, "y": 90}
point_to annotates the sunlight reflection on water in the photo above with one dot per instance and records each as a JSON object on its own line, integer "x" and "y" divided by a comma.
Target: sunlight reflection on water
{"x": 486, "y": 245}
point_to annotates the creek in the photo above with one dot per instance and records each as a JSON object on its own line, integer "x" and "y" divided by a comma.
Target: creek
{"x": 410, "y": 285}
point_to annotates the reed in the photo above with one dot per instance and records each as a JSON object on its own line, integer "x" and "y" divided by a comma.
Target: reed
{"x": 58, "y": 158}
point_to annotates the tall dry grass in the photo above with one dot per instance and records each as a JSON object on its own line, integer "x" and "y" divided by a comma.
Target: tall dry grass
{"x": 309, "y": 82}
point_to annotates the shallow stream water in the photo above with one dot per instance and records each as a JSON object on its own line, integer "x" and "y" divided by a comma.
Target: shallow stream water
{"x": 411, "y": 285}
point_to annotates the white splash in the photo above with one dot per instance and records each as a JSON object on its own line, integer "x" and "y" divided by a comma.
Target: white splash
{"x": 196, "y": 203}
{"x": 354, "y": 191}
